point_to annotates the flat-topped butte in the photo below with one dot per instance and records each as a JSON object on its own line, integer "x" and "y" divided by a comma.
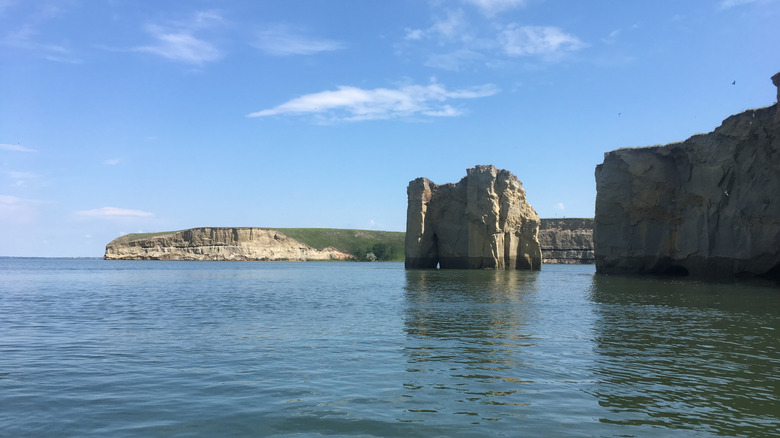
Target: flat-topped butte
{"x": 256, "y": 244}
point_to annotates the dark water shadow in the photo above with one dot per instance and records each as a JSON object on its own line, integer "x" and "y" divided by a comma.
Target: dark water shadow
{"x": 685, "y": 355}
{"x": 465, "y": 342}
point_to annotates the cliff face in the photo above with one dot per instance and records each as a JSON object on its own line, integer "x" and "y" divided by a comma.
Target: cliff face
{"x": 482, "y": 222}
{"x": 231, "y": 244}
{"x": 706, "y": 207}
{"x": 566, "y": 241}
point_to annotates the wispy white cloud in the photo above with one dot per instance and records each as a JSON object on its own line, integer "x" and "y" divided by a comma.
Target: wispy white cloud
{"x": 612, "y": 37}
{"x": 457, "y": 43}
{"x": 112, "y": 161}
{"x": 546, "y": 41}
{"x": 113, "y": 213}
{"x": 25, "y": 34}
{"x": 21, "y": 175}
{"x": 177, "y": 40}
{"x": 25, "y": 37}
{"x": 453, "y": 25}
{"x": 353, "y": 104}
{"x": 728, "y": 4}
{"x": 414, "y": 34}
{"x": 18, "y": 210}
{"x": 15, "y": 148}
{"x": 180, "y": 46}
{"x": 453, "y": 61}
{"x": 20, "y": 179}
{"x": 283, "y": 41}
{"x": 492, "y": 7}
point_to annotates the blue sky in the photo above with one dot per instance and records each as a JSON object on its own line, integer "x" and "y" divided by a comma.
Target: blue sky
{"x": 122, "y": 116}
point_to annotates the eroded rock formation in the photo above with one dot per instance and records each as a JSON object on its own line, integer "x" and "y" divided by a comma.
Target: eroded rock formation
{"x": 230, "y": 244}
{"x": 566, "y": 241}
{"x": 482, "y": 222}
{"x": 707, "y": 207}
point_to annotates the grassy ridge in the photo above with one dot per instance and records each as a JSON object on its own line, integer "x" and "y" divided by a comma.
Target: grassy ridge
{"x": 385, "y": 245}
{"x": 132, "y": 237}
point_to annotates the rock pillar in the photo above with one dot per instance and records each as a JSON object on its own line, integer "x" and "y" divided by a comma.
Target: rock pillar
{"x": 482, "y": 222}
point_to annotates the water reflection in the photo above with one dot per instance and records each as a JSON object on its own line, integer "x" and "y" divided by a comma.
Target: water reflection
{"x": 466, "y": 340}
{"x": 687, "y": 355}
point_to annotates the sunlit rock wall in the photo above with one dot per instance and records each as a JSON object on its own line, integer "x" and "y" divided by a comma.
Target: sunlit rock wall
{"x": 482, "y": 222}
{"x": 229, "y": 244}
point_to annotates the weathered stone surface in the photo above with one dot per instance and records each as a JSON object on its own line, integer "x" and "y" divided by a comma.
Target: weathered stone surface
{"x": 707, "y": 207}
{"x": 482, "y": 222}
{"x": 567, "y": 241}
{"x": 231, "y": 244}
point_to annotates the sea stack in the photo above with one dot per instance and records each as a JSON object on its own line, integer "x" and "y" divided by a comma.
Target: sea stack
{"x": 482, "y": 222}
{"x": 707, "y": 207}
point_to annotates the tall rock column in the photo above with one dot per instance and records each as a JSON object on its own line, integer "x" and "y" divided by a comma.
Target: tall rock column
{"x": 482, "y": 222}
{"x": 419, "y": 242}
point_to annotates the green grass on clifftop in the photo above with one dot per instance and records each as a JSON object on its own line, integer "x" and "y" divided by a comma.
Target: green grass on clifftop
{"x": 362, "y": 244}
{"x": 138, "y": 236}
{"x": 384, "y": 245}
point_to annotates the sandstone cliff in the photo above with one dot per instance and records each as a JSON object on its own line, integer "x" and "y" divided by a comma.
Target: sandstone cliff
{"x": 566, "y": 241}
{"x": 482, "y": 222}
{"x": 707, "y": 207}
{"x": 231, "y": 244}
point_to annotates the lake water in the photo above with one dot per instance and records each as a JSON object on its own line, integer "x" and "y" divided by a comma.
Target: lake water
{"x": 135, "y": 348}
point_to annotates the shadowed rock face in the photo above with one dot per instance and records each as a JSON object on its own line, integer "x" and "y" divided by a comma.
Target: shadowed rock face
{"x": 482, "y": 222}
{"x": 566, "y": 240}
{"x": 707, "y": 207}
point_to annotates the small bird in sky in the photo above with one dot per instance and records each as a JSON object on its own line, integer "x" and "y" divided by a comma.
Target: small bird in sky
{"x": 734, "y": 83}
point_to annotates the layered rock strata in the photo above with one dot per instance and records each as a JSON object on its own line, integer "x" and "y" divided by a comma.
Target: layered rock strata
{"x": 482, "y": 222}
{"x": 229, "y": 244}
{"x": 707, "y": 207}
{"x": 567, "y": 241}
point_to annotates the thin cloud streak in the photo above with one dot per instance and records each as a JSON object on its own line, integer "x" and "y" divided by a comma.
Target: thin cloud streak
{"x": 178, "y": 42}
{"x": 492, "y": 7}
{"x": 21, "y": 178}
{"x": 15, "y": 148}
{"x": 18, "y": 210}
{"x": 451, "y": 27}
{"x": 26, "y": 35}
{"x": 180, "y": 46}
{"x": 283, "y": 41}
{"x": 537, "y": 40}
{"x": 113, "y": 213}
{"x": 728, "y": 4}
{"x": 353, "y": 104}
{"x": 465, "y": 46}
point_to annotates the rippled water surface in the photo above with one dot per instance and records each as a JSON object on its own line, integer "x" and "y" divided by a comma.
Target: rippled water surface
{"x": 113, "y": 348}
